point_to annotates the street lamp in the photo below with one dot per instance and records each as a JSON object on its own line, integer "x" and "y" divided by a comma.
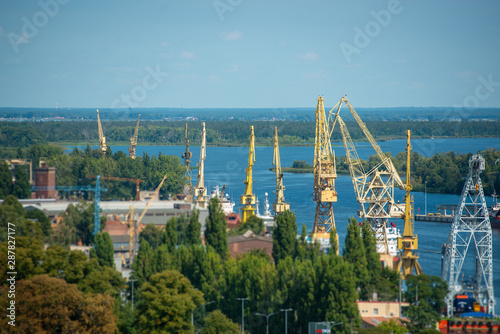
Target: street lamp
{"x": 243, "y": 314}
{"x": 286, "y": 317}
{"x": 132, "y": 281}
{"x": 267, "y": 318}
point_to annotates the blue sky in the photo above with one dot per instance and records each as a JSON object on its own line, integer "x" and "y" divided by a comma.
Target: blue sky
{"x": 242, "y": 53}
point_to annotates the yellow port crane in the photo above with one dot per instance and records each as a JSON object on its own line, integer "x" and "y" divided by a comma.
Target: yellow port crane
{"x": 374, "y": 189}
{"x": 133, "y": 140}
{"x": 279, "y": 205}
{"x": 187, "y": 155}
{"x": 248, "y": 199}
{"x": 133, "y": 242}
{"x": 102, "y": 139}
{"x": 408, "y": 243}
{"x": 324, "y": 178}
{"x": 201, "y": 190}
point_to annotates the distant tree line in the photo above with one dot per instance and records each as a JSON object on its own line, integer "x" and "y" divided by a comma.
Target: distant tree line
{"x": 224, "y": 133}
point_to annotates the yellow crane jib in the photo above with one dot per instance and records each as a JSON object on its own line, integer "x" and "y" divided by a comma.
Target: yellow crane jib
{"x": 408, "y": 243}
{"x": 248, "y": 199}
{"x": 280, "y": 205}
{"x": 102, "y": 139}
{"x": 133, "y": 139}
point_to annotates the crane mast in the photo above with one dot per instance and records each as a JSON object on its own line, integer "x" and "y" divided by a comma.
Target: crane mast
{"x": 133, "y": 139}
{"x": 102, "y": 139}
{"x": 324, "y": 178}
{"x": 408, "y": 243}
{"x": 187, "y": 155}
{"x": 469, "y": 245}
{"x": 374, "y": 189}
{"x": 280, "y": 205}
{"x": 248, "y": 199}
{"x": 201, "y": 191}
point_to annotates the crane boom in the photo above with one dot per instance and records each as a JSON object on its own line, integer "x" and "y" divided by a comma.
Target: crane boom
{"x": 136, "y": 225}
{"x": 248, "y": 199}
{"x": 137, "y": 182}
{"x": 102, "y": 139}
{"x": 279, "y": 205}
{"x": 408, "y": 242}
{"x": 133, "y": 139}
{"x": 201, "y": 190}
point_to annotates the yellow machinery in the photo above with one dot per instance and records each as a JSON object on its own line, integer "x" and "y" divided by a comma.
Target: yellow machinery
{"x": 102, "y": 139}
{"x": 137, "y": 182}
{"x": 201, "y": 190}
{"x": 248, "y": 199}
{"x": 324, "y": 178}
{"x": 133, "y": 140}
{"x": 374, "y": 189}
{"x": 187, "y": 155}
{"x": 280, "y": 205}
{"x": 408, "y": 242}
{"x": 133, "y": 231}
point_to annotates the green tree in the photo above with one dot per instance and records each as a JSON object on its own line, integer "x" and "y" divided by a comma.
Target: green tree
{"x": 215, "y": 232}
{"x": 285, "y": 236}
{"x": 354, "y": 252}
{"x": 5, "y": 180}
{"x": 143, "y": 263}
{"x": 373, "y": 263}
{"x": 170, "y": 234}
{"x": 104, "y": 249}
{"x": 217, "y": 323}
{"x": 42, "y": 218}
{"x": 167, "y": 302}
{"x": 153, "y": 235}
{"x": 253, "y": 223}
{"x": 46, "y": 304}
{"x": 193, "y": 230}
{"x": 392, "y": 327}
{"x": 22, "y": 187}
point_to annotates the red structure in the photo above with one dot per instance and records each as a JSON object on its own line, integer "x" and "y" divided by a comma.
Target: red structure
{"x": 45, "y": 177}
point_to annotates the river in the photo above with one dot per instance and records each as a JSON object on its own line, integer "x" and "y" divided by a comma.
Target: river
{"x": 226, "y": 165}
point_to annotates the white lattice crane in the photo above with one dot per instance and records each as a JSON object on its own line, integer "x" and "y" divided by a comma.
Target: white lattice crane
{"x": 374, "y": 188}
{"x": 133, "y": 140}
{"x": 468, "y": 255}
{"x": 102, "y": 139}
{"x": 187, "y": 155}
{"x": 201, "y": 190}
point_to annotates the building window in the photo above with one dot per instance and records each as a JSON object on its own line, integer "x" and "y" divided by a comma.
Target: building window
{"x": 375, "y": 311}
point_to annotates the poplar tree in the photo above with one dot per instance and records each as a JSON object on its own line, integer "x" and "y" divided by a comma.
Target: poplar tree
{"x": 22, "y": 188}
{"x": 193, "y": 230}
{"x": 372, "y": 257}
{"x": 104, "y": 249}
{"x": 5, "y": 180}
{"x": 354, "y": 252}
{"x": 285, "y": 236}
{"x": 215, "y": 232}
{"x": 170, "y": 235}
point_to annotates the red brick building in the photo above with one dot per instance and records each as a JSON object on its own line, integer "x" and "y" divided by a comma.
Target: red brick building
{"x": 45, "y": 177}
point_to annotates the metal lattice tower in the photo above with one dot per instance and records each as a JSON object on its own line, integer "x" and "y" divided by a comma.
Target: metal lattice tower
{"x": 468, "y": 257}
{"x": 133, "y": 139}
{"x": 187, "y": 155}
{"x": 280, "y": 205}
{"x": 201, "y": 190}
{"x": 102, "y": 138}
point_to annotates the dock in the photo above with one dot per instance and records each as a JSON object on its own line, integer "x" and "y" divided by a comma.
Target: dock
{"x": 444, "y": 214}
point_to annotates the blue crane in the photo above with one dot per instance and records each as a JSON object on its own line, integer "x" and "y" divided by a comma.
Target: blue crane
{"x": 97, "y": 198}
